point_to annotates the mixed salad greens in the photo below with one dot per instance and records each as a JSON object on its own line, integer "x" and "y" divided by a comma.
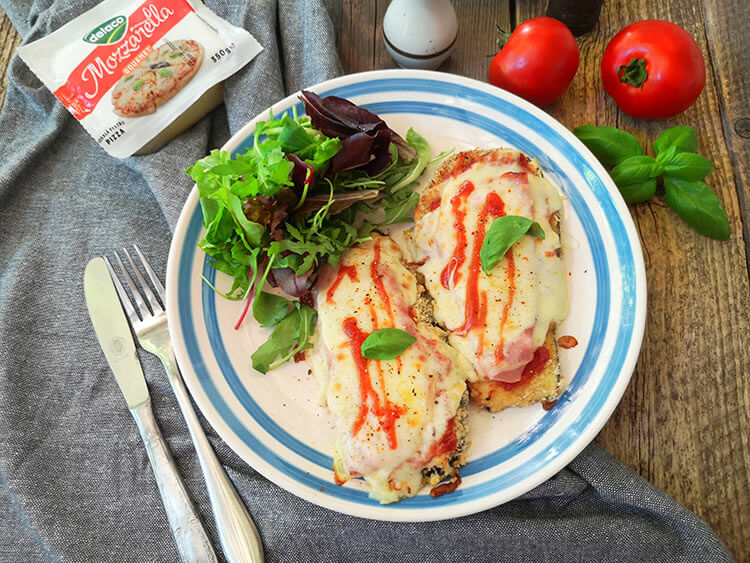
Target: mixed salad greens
{"x": 309, "y": 188}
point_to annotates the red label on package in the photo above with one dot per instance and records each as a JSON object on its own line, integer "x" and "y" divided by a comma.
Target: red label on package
{"x": 106, "y": 64}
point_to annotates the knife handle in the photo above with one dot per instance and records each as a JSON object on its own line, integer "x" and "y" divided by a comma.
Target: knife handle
{"x": 192, "y": 541}
{"x": 239, "y": 537}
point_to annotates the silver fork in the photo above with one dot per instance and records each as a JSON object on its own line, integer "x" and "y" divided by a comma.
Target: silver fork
{"x": 238, "y": 535}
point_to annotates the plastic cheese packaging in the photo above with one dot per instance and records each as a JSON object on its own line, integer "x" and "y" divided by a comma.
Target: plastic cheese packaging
{"x": 136, "y": 74}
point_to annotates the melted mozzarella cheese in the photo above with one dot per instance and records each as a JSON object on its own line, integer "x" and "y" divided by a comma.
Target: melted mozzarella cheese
{"x": 389, "y": 414}
{"x": 498, "y": 320}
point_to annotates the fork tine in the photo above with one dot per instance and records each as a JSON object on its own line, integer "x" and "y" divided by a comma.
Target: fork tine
{"x": 124, "y": 299}
{"x": 142, "y": 307}
{"x": 155, "y": 305}
{"x": 151, "y": 275}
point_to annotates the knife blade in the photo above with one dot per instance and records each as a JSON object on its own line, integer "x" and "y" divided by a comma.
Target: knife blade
{"x": 113, "y": 331}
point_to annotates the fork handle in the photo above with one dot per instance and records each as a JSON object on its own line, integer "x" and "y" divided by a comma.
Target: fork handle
{"x": 239, "y": 537}
{"x": 191, "y": 539}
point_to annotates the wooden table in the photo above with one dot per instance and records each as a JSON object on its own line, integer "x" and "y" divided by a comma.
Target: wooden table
{"x": 684, "y": 422}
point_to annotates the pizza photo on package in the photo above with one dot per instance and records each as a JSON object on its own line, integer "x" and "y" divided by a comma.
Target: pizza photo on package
{"x": 135, "y": 73}
{"x": 158, "y": 78}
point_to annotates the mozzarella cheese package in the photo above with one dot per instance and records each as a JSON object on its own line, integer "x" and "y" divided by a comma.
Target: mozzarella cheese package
{"x": 128, "y": 71}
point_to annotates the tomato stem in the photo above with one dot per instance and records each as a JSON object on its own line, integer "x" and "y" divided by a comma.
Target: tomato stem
{"x": 504, "y": 36}
{"x": 633, "y": 73}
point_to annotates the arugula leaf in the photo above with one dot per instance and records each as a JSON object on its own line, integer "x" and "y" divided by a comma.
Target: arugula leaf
{"x": 280, "y": 343}
{"x": 269, "y": 309}
{"x": 698, "y": 206}
{"x": 635, "y": 193}
{"x": 503, "y": 233}
{"x": 688, "y": 166}
{"x": 635, "y": 170}
{"x": 386, "y": 343}
{"x": 419, "y": 163}
{"x": 683, "y": 137}
{"x": 610, "y": 145}
{"x": 293, "y": 334}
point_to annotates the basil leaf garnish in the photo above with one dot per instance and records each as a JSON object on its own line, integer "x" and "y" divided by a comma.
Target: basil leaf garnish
{"x": 503, "y": 233}
{"x": 635, "y": 170}
{"x": 698, "y": 206}
{"x": 635, "y": 193}
{"x": 683, "y": 137}
{"x": 688, "y": 166}
{"x": 386, "y": 343}
{"x": 610, "y": 145}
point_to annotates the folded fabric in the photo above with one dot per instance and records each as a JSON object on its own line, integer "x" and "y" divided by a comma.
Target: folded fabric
{"x": 75, "y": 483}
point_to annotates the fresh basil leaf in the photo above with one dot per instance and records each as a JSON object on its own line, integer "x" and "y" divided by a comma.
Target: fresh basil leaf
{"x": 635, "y": 193}
{"x": 683, "y": 137}
{"x": 635, "y": 170}
{"x": 280, "y": 343}
{"x": 667, "y": 155}
{"x": 269, "y": 309}
{"x": 688, "y": 166}
{"x": 504, "y": 233}
{"x": 610, "y": 145}
{"x": 698, "y": 206}
{"x": 386, "y": 343}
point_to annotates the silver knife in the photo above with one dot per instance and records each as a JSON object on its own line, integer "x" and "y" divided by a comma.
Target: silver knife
{"x": 116, "y": 340}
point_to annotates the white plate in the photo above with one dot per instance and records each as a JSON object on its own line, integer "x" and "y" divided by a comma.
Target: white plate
{"x": 274, "y": 422}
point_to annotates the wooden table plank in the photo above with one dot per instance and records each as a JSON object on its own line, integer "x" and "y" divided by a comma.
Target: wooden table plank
{"x": 683, "y": 421}
{"x": 9, "y": 40}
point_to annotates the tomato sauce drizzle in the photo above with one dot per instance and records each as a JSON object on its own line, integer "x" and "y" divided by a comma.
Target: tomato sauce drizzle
{"x": 377, "y": 279}
{"x": 447, "y": 443}
{"x": 535, "y": 366}
{"x": 510, "y": 269}
{"x": 350, "y": 271}
{"x": 459, "y": 252}
{"x": 475, "y": 314}
{"x": 386, "y": 413}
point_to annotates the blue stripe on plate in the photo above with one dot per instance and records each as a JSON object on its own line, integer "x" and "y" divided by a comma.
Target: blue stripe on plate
{"x": 596, "y": 339}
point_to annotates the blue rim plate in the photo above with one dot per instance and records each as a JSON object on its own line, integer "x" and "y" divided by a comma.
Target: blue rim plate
{"x": 274, "y": 421}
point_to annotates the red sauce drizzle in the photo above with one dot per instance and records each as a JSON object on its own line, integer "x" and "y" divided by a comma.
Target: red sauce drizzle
{"x": 459, "y": 252}
{"x": 475, "y": 314}
{"x": 387, "y": 413}
{"x": 447, "y": 443}
{"x": 350, "y": 271}
{"x": 535, "y": 366}
{"x": 510, "y": 270}
{"x": 377, "y": 279}
{"x": 434, "y": 205}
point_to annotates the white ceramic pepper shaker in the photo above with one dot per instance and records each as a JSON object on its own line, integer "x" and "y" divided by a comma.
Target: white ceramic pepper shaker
{"x": 420, "y": 33}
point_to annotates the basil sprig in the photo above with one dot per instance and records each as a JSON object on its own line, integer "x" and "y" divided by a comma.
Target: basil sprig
{"x": 503, "y": 233}
{"x": 677, "y": 164}
{"x": 386, "y": 343}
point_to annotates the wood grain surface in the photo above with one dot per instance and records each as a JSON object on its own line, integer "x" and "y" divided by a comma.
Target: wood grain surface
{"x": 683, "y": 421}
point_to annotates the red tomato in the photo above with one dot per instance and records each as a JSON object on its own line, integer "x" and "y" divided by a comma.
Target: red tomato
{"x": 653, "y": 69}
{"x": 538, "y": 61}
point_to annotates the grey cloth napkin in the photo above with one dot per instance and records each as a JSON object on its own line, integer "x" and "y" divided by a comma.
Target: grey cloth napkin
{"x": 75, "y": 483}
